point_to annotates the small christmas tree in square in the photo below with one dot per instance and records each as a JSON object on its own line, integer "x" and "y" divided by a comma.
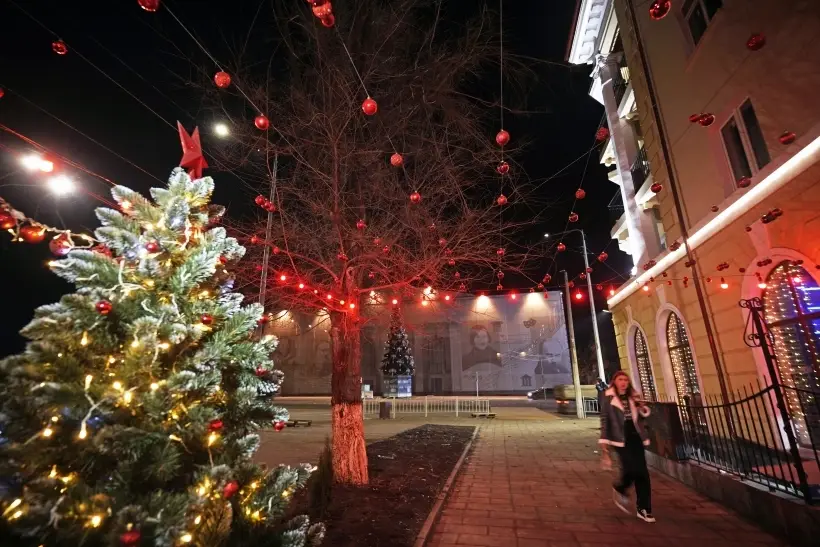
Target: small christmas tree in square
{"x": 397, "y": 363}
{"x": 133, "y": 414}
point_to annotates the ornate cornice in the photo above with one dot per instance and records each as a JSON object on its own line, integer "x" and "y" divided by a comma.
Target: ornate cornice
{"x": 589, "y": 23}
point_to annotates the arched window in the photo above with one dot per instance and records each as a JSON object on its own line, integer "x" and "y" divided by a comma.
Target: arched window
{"x": 683, "y": 363}
{"x": 792, "y": 307}
{"x": 644, "y": 367}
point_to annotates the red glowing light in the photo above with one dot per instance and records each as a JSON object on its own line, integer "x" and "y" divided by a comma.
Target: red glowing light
{"x": 283, "y": 277}
{"x": 352, "y": 305}
{"x": 645, "y": 288}
{"x": 330, "y": 297}
{"x": 447, "y": 297}
{"x": 425, "y": 303}
{"x": 611, "y": 292}
{"x": 395, "y": 302}
{"x": 579, "y": 295}
{"x": 513, "y": 296}
{"x": 301, "y": 285}
{"x": 723, "y": 284}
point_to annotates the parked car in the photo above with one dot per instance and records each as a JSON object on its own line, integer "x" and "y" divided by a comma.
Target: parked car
{"x": 541, "y": 394}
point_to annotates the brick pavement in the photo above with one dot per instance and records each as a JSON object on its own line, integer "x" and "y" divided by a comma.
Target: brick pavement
{"x": 535, "y": 481}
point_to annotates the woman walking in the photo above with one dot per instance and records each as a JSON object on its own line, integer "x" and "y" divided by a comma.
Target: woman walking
{"x": 622, "y": 414}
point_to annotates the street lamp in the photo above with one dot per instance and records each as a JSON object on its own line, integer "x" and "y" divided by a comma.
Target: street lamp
{"x": 598, "y": 354}
{"x": 221, "y": 130}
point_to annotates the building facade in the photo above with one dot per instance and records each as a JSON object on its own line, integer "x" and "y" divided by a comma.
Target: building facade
{"x": 467, "y": 344}
{"x": 714, "y": 103}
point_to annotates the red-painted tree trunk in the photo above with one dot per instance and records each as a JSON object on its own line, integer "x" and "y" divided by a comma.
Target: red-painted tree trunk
{"x": 349, "y": 453}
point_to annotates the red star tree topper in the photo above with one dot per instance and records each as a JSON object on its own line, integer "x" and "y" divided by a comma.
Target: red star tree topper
{"x": 192, "y": 159}
{"x": 345, "y": 224}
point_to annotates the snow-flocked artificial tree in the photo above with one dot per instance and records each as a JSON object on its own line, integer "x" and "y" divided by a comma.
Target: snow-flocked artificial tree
{"x": 132, "y": 416}
{"x": 398, "y": 357}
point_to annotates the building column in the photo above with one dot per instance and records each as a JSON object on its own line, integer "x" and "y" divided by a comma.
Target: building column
{"x": 643, "y": 240}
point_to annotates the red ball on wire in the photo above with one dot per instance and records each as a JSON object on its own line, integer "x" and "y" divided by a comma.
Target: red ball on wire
{"x": 149, "y": 5}
{"x": 706, "y": 119}
{"x": 561, "y": 247}
{"x": 103, "y": 307}
{"x": 659, "y": 9}
{"x": 261, "y": 122}
{"x": 152, "y": 246}
{"x": 502, "y": 137}
{"x": 59, "y": 47}
{"x": 396, "y": 160}
{"x": 279, "y": 426}
{"x": 744, "y": 182}
{"x": 260, "y": 200}
{"x": 501, "y": 200}
{"x": 370, "y": 107}
{"x": 656, "y": 187}
{"x": 222, "y": 79}
{"x": 328, "y": 21}
{"x": 602, "y": 134}
{"x": 60, "y": 245}
{"x": 580, "y": 193}
{"x": 503, "y": 168}
{"x": 787, "y": 137}
{"x": 415, "y": 197}
{"x": 500, "y": 251}
{"x": 361, "y": 224}
{"x": 573, "y": 217}
{"x": 756, "y": 42}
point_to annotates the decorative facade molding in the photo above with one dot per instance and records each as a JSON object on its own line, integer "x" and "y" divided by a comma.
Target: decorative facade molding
{"x": 591, "y": 20}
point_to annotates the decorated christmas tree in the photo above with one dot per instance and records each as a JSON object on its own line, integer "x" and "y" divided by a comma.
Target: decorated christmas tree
{"x": 133, "y": 414}
{"x": 398, "y": 357}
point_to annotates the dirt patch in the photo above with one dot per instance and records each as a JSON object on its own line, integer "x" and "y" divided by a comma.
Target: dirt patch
{"x": 407, "y": 472}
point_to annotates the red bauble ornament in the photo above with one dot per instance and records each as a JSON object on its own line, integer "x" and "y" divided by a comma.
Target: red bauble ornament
{"x": 571, "y": 284}
{"x": 580, "y": 194}
{"x": 599, "y": 287}
{"x": 573, "y": 217}
{"x": 396, "y": 160}
{"x": 502, "y": 138}
{"x": 457, "y": 275}
{"x": 748, "y": 228}
{"x": 149, "y": 5}
{"x": 103, "y": 250}
{"x": 501, "y": 200}
{"x": 756, "y": 42}
{"x": 32, "y": 234}
{"x": 500, "y": 251}
{"x": 385, "y": 249}
{"x": 561, "y": 247}
{"x": 269, "y": 207}
{"x": 341, "y": 257}
{"x": 714, "y": 208}
{"x": 547, "y": 278}
{"x": 276, "y": 250}
{"x": 462, "y": 287}
{"x": 260, "y": 200}
{"x": 261, "y": 122}
{"x": 787, "y": 137}
{"x": 451, "y": 262}
{"x": 130, "y": 538}
{"x": 693, "y": 118}
{"x": 215, "y": 425}
{"x": 602, "y": 134}
{"x": 230, "y": 489}
{"x": 442, "y": 242}
{"x": 583, "y": 276}
{"x": 152, "y": 246}
{"x": 369, "y": 106}
{"x": 258, "y": 268}
{"x": 589, "y": 269}
{"x": 103, "y": 307}
{"x": 659, "y": 9}
{"x": 499, "y": 287}
{"x": 503, "y": 168}
{"x": 500, "y": 275}
{"x": 415, "y": 197}
{"x": 745, "y": 182}
{"x": 361, "y": 224}
{"x": 328, "y": 20}
{"x": 377, "y": 241}
{"x": 254, "y": 240}
{"x": 206, "y": 319}
{"x": 223, "y": 260}
{"x": 60, "y": 245}
{"x": 322, "y": 9}
{"x": 603, "y": 256}
{"x": 59, "y": 47}
{"x": 279, "y": 426}
{"x": 656, "y": 187}
{"x": 260, "y": 371}
{"x": 706, "y": 119}
{"x": 7, "y": 221}
{"x": 264, "y": 319}
{"x": 540, "y": 286}
{"x": 222, "y": 79}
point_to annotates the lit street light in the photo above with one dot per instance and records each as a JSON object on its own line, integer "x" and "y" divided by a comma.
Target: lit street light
{"x": 221, "y": 130}
{"x": 33, "y": 162}
{"x": 61, "y": 185}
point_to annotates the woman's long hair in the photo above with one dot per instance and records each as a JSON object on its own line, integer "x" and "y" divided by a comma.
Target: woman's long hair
{"x": 630, "y": 391}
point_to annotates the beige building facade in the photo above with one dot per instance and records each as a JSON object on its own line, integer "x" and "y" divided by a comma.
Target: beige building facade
{"x": 720, "y": 112}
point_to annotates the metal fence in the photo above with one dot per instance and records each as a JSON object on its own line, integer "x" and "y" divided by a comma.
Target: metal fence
{"x": 750, "y": 438}
{"x": 591, "y": 406}
{"x": 424, "y": 406}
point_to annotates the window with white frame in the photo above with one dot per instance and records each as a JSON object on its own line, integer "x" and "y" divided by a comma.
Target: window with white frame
{"x": 698, "y": 14}
{"x": 644, "y": 367}
{"x": 744, "y": 143}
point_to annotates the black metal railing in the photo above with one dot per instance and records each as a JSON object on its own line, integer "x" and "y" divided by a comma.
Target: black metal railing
{"x": 616, "y": 207}
{"x": 746, "y": 437}
{"x": 640, "y": 169}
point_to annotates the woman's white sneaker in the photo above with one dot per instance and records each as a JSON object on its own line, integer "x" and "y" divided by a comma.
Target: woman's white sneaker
{"x": 645, "y": 515}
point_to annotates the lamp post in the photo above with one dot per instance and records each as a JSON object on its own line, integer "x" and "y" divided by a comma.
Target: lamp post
{"x": 598, "y": 354}
{"x": 576, "y": 377}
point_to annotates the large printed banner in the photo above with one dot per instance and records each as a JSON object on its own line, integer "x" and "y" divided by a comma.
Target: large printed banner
{"x": 489, "y": 344}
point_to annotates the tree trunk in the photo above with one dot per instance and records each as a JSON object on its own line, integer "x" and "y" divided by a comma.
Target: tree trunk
{"x": 349, "y": 453}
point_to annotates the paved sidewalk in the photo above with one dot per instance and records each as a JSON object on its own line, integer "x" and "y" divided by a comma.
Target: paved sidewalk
{"x": 535, "y": 481}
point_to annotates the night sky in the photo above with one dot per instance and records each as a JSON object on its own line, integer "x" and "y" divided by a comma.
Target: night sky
{"x": 152, "y": 57}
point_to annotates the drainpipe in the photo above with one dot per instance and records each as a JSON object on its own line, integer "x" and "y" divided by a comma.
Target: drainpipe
{"x": 673, "y": 186}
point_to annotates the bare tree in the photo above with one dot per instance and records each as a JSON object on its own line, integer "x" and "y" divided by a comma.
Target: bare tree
{"x": 380, "y": 205}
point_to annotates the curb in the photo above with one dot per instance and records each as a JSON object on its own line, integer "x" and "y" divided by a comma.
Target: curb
{"x": 421, "y": 538}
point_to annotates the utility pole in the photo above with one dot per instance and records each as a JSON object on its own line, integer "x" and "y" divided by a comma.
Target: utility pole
{"x": 598, "y": 354}
{"x": 576, "y": 379}
{"x": 263, "y": 282}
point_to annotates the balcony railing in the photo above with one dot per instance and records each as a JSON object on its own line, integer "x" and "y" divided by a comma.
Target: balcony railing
{"x": 616, "y": 207}
{"x": 640, "y": 169}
